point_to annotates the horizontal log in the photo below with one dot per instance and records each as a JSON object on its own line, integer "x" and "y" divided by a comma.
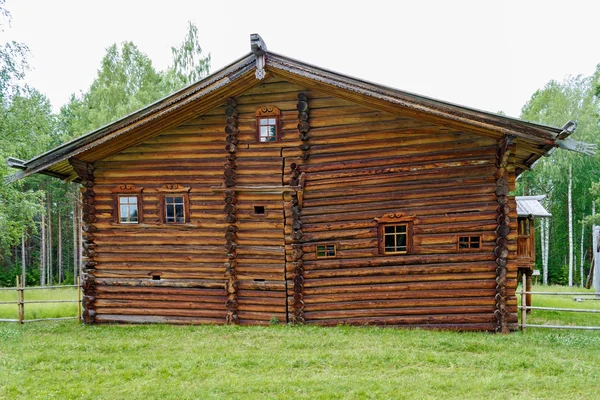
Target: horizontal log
{"x": 153, "y": 319}
{"x": 399, "y": 305}
{"x": 402, "y": 286}
{"x": 158, "y": 304}
{"x": 384, "y": 312}
{"x": 397, "y": 295}
{"x": 412, "y": 320}
{"x": 167, "y": 312}
{"x": 182, "y": 283}
{"x": 428, "y": 269}
{"x": 374, "y": 280}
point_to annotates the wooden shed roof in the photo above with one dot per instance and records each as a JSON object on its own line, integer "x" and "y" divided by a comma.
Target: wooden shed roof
{"x": 533, "y": 140}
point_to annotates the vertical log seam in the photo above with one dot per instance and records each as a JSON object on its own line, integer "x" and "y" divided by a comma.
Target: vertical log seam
{"x": 502, "y": 231}
{"x": 297, "y": 235}
{"x": 229, "y": 177}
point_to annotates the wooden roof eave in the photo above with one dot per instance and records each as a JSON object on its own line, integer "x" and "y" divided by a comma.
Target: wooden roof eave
{"x": 214, "y": 87}
{"x": 396, "y": 101}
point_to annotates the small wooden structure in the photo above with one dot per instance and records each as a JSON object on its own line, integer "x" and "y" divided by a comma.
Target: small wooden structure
{"x": 528, "y": 208}
{"x": 275, "y": 190}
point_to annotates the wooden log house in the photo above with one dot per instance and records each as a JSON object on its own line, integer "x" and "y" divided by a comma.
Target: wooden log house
{"x": 278, "y": 191}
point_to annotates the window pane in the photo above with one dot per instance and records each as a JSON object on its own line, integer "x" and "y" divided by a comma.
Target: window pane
{"x": 124, "y": 213}
{"x": 390, "y": 229}
{"x": 401, "y": 242}
{"x": 179, "y": 213}
{"x": 390, "y": 243}
{"x": 123, "y": 200}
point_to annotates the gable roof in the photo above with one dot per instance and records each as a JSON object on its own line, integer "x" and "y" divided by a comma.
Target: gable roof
{"x": 533, "y": 140}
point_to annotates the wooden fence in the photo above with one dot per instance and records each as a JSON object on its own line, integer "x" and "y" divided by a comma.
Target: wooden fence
{"x": 524, "y": 307}
{"x": 20, "y": 290}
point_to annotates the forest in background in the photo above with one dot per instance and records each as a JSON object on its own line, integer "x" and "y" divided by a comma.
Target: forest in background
{"x": 39, "y": 216}
{"x": 39, "y": 228}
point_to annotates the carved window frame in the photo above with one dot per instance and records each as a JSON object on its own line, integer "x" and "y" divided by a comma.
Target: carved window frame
{"x": 173, "y": 190}
{"x": 126, "y": 190}
{"x": 268, "y": 112}
{"x": 470, "y": 241}
{"x": 395, "y": 219}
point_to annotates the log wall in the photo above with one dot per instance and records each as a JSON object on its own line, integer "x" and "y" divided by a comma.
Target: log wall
{"x": 337, "y": 169}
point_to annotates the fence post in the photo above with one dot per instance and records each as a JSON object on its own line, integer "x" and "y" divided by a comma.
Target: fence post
{"x": 524, "y": 304}
{"x": 20, "y": 301}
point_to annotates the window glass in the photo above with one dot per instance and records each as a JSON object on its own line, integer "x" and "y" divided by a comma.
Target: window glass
{"x": 469, "y": 242}
{"x": 128, "y": 209}
{"x": 396, "y": 238}
{"x": 174, "y": 209}
{"x": 325, "y": 250}
{"x": 267, "y": 130}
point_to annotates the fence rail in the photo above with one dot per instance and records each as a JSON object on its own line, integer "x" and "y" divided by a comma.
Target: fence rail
{"x": 524, "y": 307}
{"x": 20, "y": 289}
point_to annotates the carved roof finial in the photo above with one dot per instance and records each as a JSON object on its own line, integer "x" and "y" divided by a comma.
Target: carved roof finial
{"x": 259, "y": 48}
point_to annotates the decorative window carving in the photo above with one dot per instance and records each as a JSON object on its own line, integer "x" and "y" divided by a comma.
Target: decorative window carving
{"x": 395, "y": 233}
{"x": 469, "y": 242}
{"x": 174, "y": 204}
{"x": 127, "y": 204}
{"x": 326, "y": 251}
{"x": 268, "y": 124}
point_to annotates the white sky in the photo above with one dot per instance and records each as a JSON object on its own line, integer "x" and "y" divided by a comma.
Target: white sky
{"x": 490, "y": 55}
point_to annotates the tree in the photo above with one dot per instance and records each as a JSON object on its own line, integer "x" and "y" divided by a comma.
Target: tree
{"x": 189, "y": 65}
{"x": 574, "y": 98}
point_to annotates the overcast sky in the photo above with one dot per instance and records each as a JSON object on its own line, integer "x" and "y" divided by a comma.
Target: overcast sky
{"x": 490, "y": 55}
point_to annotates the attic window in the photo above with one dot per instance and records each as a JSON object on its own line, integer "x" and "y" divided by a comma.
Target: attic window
{"x": 267, "y": 124}
{"x": 259, "y": 210}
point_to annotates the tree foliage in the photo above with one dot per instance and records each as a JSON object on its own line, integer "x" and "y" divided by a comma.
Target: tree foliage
{"x": 126, "y": 81}
{"x": 575, "y": 98}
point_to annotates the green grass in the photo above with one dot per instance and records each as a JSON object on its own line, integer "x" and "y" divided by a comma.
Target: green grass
{"x": 36, "y": 310}
{"x": 66, "y": 360}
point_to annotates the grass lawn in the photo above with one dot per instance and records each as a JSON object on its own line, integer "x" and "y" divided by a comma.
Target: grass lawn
{"x": 35, "y": 311}
{"x": 65, "y": 360}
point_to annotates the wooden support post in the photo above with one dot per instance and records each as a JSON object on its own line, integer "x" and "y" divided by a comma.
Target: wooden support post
{"x": 523, "y": 305}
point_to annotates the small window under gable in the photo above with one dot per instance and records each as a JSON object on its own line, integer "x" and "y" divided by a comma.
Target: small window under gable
{"x": 268, "y": 124}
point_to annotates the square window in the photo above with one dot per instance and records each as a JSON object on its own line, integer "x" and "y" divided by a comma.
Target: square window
{"x": 128, "y": 209}
{"x": 326, "y": 251}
